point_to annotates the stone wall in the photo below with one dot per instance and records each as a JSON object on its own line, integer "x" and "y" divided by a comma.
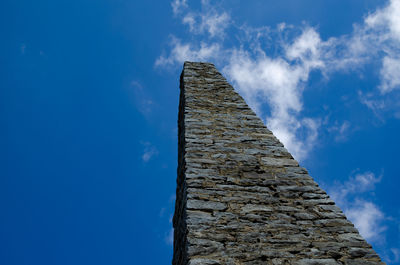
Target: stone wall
{"x": 241, "y": 198}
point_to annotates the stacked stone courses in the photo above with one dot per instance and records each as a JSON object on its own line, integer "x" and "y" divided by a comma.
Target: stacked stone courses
{"x": 241, "y": 197}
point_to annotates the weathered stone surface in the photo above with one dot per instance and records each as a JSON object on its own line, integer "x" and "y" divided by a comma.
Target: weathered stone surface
{"x": 203, "y": 262}
{"x": 205, "y": 205}
{"x": 278, "y": 162}
{"x": 241, "y": 198}
{"x": 317, "y": 262}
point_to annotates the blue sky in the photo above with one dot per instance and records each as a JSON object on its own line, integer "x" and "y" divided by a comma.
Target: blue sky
{"x": 89, "y": 101}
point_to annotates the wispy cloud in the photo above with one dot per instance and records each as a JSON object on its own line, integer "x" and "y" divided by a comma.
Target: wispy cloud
{"x": 140, "y": 98}
{"x": 360, "y": 183}
{"x": 365, "y": 215}
{"x": 188, "y": 52}
{"x": 340, "y": 130}
{"x": 169, "y": 237}
{"x": 381, "y": 34}
{"x": 393, "y": 256}
{"x": 178, "y": 6}
{"x": 208, "y": 21}
{"x": 149, "y": 151}
{"x": 372, "y": 102}
{"x": 368, "y": 218}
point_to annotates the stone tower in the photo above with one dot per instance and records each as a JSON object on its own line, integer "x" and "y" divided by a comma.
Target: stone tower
{"x": 241, "y": 197}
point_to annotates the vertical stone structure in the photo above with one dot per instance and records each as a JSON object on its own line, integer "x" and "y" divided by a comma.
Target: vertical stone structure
{"x": 241, "y": 197}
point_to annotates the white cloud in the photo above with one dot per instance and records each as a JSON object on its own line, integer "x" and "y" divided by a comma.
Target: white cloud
{"x": 357, "y": 184}
{"x": 149, "y": 151}
{"x": 378, "y": 38}
{"x": 390, "y": 74}
{"x": 367, "y": 217}
{"x": 280, "y": 83}
{"x": 387, "y": 20}
{"x": 190, "y": 20}
{"x": 382, "y": 33}
{"x": 188, "y": 52}
{"x": 362, "y": 182}
{"x": 264, "y": 78}
{"x": 149, "y": 154}
{"x": 178, "y": 6}
{"x": 209, "y": 20}
{"x": 307, "y": 49}
{"x": 215, "y": 23}
{"x": 373, "y": 103}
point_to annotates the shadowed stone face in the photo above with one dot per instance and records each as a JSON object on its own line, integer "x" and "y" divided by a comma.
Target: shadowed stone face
{"x": 241, "y": 197}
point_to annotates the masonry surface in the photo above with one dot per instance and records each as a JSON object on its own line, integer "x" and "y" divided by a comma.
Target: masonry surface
{"x": 241, "y": 197}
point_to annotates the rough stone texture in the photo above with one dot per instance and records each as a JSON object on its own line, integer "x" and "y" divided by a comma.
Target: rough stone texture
{"x": 241, "y": 197}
